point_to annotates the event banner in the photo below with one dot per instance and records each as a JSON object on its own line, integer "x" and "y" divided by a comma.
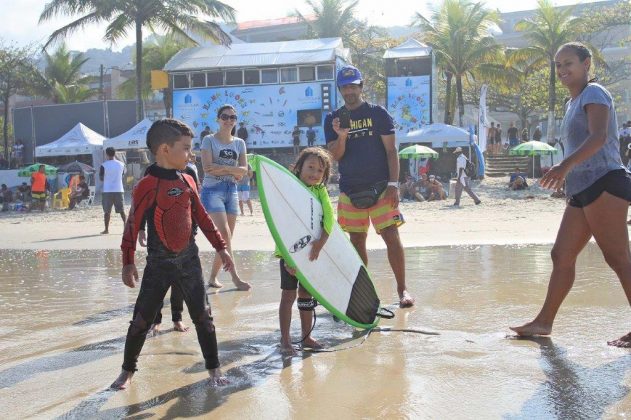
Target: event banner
{"x": 409, "y": 102}
{"x": 269, "y": 112}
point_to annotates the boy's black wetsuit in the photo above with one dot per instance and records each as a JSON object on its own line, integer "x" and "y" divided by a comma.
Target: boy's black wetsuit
{"x": 170, "y": 203}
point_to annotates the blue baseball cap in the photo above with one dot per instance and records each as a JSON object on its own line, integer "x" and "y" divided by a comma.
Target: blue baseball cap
{"x": 348, "y": 75}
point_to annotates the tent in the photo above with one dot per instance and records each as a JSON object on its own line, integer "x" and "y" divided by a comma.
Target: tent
{"x": 439, "y": 135}
{"x": 80, "y": 140}
{"x": 134, "y": 138}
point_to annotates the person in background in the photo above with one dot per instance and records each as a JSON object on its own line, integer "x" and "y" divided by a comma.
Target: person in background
{"x": 79, "y": 193}
{"x": 295, "y": 136}
{"x": 39, "y": 189}
{"x": 242, "y": 132}
{"x": 243, "y": 189}
{"x": 7, "y": 197}
{"x": 537, "y": 134}
{"x": 462, "y": 180}
{"x": 513, "y": 135}
{"x": 111, "y": 175}
{"x": 311, "y": 136}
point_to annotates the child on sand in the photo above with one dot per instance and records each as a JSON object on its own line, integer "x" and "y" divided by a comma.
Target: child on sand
{"x": 312, "y": 168}
{"x": 169, "y": 201}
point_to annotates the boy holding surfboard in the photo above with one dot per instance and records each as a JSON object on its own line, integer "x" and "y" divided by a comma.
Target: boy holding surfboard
{"x": 313, "y": 168}
{"x": 168, "y": 200}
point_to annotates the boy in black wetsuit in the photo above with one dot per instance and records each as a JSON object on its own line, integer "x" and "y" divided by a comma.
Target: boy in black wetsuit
{"x": 169, "y": 201}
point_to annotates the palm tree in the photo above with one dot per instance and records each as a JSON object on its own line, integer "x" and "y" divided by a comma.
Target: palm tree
{"x": 154, "y": 57}
{"x": 173, "y": 16}
{"x": 333, "y": 18}
{"x": 61, "y": 80}
{"x": 547, "y": 30}
{"x": 459, "y": 34}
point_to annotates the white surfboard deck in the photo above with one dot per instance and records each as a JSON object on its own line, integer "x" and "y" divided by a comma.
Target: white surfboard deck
{"x": 337, "y": 279}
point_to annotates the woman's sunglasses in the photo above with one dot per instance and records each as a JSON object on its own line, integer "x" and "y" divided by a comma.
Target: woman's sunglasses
{"x": 226, "y": 117}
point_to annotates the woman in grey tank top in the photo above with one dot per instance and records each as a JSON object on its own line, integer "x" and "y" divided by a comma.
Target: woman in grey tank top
{"x": 597, "y": 186}
{"x": 224, "y": 163}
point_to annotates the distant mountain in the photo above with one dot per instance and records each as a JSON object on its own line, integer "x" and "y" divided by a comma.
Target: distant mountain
{"x": 401, "y": 31}
{"x": 108, "y": 58}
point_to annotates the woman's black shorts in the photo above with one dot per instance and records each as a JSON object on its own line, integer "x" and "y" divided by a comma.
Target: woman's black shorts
{"x": 616, "y": 182}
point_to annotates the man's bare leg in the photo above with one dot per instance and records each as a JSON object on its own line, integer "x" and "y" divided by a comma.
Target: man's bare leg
{"x": 123, "y": 381}
{"x": 358, "y": 239}
{"x": 106, "y": 220}
{"x": 573, "y": 235}
{"x": 396, "y": 257}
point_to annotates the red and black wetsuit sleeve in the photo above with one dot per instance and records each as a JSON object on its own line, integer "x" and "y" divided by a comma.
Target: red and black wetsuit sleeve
{"x": 143, "y": 198}
{"x": 202, "y": 218}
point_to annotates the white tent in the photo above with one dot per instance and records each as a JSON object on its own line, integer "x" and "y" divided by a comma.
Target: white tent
{"x": 80, "y": 140}
{"x": 134, "y": 138}
{"x": 439, "y": 135}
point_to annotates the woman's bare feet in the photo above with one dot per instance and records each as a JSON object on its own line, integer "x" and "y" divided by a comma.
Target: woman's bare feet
{"x": 179, "y": 326}
{"x": 532, "y": 328}
{"x": 123, "y": 381}
{"x": 406, "y": 300}
{"x": 216, "y": 378}
{"x": 215, "y": 283}
{"x": 311, "y": 343}
{"x": 624, "y": 341}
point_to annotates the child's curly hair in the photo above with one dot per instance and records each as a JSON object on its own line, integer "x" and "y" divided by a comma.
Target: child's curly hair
{"x": 323, "y": 155}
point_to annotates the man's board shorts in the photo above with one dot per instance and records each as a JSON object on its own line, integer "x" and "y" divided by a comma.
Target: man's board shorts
{"x": 354, "y": 220}
{"x": 38, "y": 195}
{"x": 244, "y": 192}
{"x": 115, "y": 199}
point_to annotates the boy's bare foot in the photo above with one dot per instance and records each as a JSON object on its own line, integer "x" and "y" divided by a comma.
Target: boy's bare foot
{"x": 624, "y": 341}
{"x": 179, "y": 326}
{"x": 406, "y": 300}
{"x": 287, "y": 350}
{"x": 532, "y": 328}
{"x": 311, "y": 343}
{"x": 123, "y": 381}
{"x": 215, "y": 283}
{"x": 241, "y": 285}
{"x": 154, "y": 330}
{"x": 216, "y": 378}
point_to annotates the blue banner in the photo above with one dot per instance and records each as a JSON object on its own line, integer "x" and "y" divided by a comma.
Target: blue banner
{"x": 409, "y": 102}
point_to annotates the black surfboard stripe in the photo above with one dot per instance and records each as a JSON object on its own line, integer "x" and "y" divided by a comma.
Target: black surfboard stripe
{"x": 364, "y": 302}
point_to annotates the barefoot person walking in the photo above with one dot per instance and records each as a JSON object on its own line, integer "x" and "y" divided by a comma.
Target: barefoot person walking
{"x": 597, "y": 186}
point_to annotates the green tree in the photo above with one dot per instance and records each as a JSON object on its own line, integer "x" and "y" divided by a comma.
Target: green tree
{"x": 62, "y": 80}
{"x": 547, "y": 30}
{"x": 16, "y": 76}
{"x": 459, "y": 33}
{"x": 333, "y": 18}
{"x": 154, "y": 57}
{"x": 173, "y": 16}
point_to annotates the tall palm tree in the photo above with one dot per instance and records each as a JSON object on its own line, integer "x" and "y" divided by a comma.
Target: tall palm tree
{"x": 61, "y": 80}
{"x": 333, "y": 18}
{"x": 173, "y": 16}
{"x": 547, "y": 30}
{"x": 459, "y": 33}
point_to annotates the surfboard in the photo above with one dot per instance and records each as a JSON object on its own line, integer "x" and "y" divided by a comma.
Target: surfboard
{"x": 338, "y": 279}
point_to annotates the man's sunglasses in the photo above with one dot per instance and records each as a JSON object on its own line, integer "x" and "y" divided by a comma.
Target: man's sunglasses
{"x": 226, "y": 117}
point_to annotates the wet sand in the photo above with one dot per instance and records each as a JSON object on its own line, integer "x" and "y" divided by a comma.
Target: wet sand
{"x": 66, "y": 314}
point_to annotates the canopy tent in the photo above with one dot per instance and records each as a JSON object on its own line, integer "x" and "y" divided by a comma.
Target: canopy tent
{"x": 408, "y": 49}
{"x": 134, "y": 138}
{"x": 258, "y": 54}
{"x": 439, "y": 135}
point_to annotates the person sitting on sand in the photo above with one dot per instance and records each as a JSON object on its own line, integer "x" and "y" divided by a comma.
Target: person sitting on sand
{"x": 435, "y": 188}
{"x": 169, "y": 201}
{"x": 522, "y": 184}
{"x": 597, "y": 185}
{"x": 7, "y": 197}
{"x": 79, "y": 193}
{"x": 408, "y": 190}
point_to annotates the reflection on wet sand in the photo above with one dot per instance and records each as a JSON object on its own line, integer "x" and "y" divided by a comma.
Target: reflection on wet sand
{"x": 68, "y": 314}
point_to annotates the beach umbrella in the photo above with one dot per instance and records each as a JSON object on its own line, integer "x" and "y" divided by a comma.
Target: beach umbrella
{"x": 75, "y": 166}
{"x": 533, "y": 148}
{"x": 417, "y": 151}
{"x": 29, "y": 170}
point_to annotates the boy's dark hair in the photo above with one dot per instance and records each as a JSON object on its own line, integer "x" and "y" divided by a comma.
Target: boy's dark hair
{"x": 4, "y": 186}
{"x": 82, "y": 177}
{"x": 110, "y": 151}
{"x": 322, "y": 154}
{"x": 166, "y": 131}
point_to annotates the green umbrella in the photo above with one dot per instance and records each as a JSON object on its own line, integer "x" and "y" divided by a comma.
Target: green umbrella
{"x": 417, "y": 151}
{"x": 29, "y": 170}
{"x": 532, "y": 148}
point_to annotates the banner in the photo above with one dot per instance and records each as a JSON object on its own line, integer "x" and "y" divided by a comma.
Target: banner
{"x": 409, "y": 102}
{"x": 482, "y": 119}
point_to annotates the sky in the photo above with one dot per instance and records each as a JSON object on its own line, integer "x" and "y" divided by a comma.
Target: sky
{"x": 20, "y": 17}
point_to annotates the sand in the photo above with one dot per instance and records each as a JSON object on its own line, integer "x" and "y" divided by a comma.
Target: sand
{"x": 504, "y": 217}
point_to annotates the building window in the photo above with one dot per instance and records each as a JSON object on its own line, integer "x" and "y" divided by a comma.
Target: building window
{"x": 307, "y": 74}
{"x": 234, "y": 77}
{"x": 214, "y": 78}
{"x": 198, "y": 79}
{"x": 251, "y": 77}
{"x": 269, "y": 76}
{"x": 288, "y": 75}
{"x": 325, "y": 72}
{"x": 180, "y": 81}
